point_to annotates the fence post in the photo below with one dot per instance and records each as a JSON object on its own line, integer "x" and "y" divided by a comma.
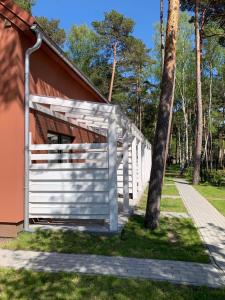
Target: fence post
{"x": 139, "y": 167}
{"x": 112, "y": 160}
{"x": 126, "y": 171}
{"x": 134, "y": 167}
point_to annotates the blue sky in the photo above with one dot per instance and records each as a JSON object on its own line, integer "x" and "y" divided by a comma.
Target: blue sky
{"x": 145, "y": 13}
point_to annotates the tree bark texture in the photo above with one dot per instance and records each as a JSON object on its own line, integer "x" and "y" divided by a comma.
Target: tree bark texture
{"x": 163, "y": 119}
{"x": 113, "y": 72}
{"x": 210, "y": 117}
{"x": 162, "y": 33}
{"x": 198, "y": 140}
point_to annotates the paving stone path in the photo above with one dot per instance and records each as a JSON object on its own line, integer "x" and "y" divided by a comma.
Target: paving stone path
{"x": 210, "y": 223}
{"x": 162, "y": 270}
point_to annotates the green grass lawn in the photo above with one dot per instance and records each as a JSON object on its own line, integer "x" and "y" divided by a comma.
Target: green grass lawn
{"x": 215, "y": 195}
{"x": 175, "y": 239}
{"x": 27, "y": 285}
{"x": 170, "y": 190}
{"x": 173, "y": 205}
{"x": 167, "y": 204}
{"x": 173, "y": 171}
{"x": 169, "y": 180}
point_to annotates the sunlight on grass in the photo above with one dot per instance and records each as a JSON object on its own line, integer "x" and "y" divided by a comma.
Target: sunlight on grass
{"x": 167, "y": 204}
{"x": 135, "y": 241}
{"x": 27, "y": 285}
{"x": 170, "y": 190}
{"x": 172, "y": 205}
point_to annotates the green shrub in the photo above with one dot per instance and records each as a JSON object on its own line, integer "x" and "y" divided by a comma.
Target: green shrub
{"x": 216, "y": 177}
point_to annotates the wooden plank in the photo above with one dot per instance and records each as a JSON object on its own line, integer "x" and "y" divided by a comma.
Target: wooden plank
{"x": 78, "y": 197}
{"x": 68, "y": 209}
{"x": 69, "y": 175}
{"x": 88, "y": 117}
{"x": 120, "y": 168}
{"x": 75, "y": 104}
{"x": 120, "y": 190}
{"x": 70, "y": 217}
{"x": 68, "y": 156}
{"x": 120, "y": 184}
{"x": 120, "y": 178}
{"x": 47, "y": 147}
{"x": 134, "y": 167}
{"x": 139, "y": 163}
{"x": 126, "y": 172}
{"x": 112, "y": 158}
{"x": 68, "y": 110}
{"x": 70, "y": 166}
{"x": 81, "y": 186}
{"x": 97, "y": 124}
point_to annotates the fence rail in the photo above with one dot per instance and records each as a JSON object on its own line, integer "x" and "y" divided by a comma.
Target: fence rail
{"x": 63, "y": 188}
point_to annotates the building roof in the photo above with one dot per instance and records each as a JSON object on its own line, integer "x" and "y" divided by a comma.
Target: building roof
{"x": 23, "y": 20}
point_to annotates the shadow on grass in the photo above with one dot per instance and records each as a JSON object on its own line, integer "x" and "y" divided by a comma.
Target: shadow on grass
{"x": 15, "y": 285}
{"x": 135, "y": 241}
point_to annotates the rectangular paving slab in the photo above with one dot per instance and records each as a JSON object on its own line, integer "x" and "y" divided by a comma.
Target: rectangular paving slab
{"x": 162, "y": 270}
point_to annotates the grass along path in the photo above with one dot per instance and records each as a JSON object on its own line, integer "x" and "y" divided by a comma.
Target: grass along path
{"x": 175, "y": 239}
{"x": 215, "y": 195}
{"x": 27, "y": 285}
{"x": 170, "y": 190}
{"x": 167, "y": 204}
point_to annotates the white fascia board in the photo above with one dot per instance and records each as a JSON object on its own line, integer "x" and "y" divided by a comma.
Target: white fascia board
{"x": 74, "y": 104}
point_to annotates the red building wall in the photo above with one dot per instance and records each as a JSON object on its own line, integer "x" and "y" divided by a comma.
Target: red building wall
{"x": 50, "y": 76}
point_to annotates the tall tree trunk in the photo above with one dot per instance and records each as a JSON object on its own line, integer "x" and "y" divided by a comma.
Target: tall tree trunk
{"x": 170, "y": 123}
{"x": 163, "y": 120}
{"x": 185, "y": 123}
{"x": 179, "y": 147}
{"x": 113, "y": 71}
{"x": 198, "y": 144}
{"x": 176, "y": 149}
{"x": 162, "y": 33}
{"x": 210, "y": 118}
{"x": 190, "y": 137}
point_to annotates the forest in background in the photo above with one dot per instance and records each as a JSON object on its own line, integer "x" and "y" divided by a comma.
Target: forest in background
{"x": 129, "y": 74}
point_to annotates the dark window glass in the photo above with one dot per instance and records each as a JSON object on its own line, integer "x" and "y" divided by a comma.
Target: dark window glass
{"x": 55, "y": 138}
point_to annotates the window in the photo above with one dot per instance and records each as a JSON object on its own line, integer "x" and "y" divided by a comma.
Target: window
{"x": 55, "y": 138}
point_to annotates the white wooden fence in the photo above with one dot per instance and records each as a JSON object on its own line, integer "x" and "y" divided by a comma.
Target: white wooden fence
{"x": 72, "y": 184}
{"x": 71, "y": 181}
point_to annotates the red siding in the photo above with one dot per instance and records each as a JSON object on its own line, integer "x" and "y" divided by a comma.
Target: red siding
{"x": 50, "y": 76}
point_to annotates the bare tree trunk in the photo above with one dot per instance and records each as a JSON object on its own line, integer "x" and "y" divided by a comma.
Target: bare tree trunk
{"x": 185, "y": 123}
{"x": 198, "y": 145}
{"x": 140, "y": 117}
{"x": 176, "y": 149}
{"x": 162, "y": 34}
{"x": 170, "y": 123}
{"x": 163, "y": 120}
{"x": 210, "y": 119}
{"x": 179, "y": 147}
{"x": 205, "y": 154}
{"x": 221, "y": 151}
{"x": 190, "y": 137}
{"x": 113, "y": 72}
